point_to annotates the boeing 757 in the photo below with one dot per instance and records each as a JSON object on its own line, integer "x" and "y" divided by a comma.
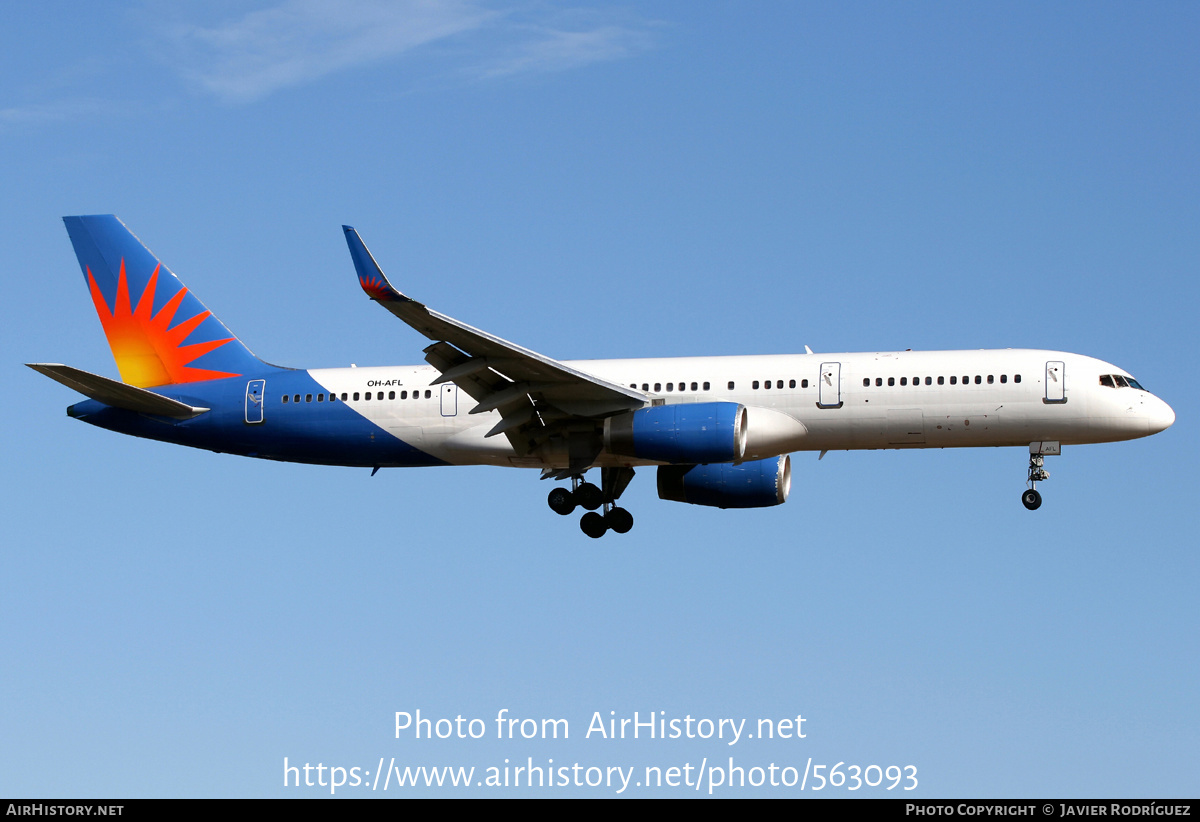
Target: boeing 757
{"x": 717, "y": 430}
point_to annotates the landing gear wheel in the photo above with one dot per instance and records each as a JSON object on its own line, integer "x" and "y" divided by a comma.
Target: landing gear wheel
{"x": 593, "y": 525}
{"x": 589, "y": 496}
{"x": 1031, "y": 499}
{"x": 619, "y": 520}
{"x": 561, "y": 501}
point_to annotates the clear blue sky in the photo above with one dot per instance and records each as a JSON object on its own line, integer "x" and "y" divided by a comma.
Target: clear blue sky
{"x": 649, "y": 179}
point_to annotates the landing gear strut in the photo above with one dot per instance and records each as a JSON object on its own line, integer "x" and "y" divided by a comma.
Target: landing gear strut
{"x": 586, "y": 495}
{"x": 1038, "y": 451}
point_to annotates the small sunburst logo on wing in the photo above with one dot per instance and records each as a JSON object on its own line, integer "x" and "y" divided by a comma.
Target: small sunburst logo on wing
{"x": 376, "y": 287}
{"x": 147, "y": 349}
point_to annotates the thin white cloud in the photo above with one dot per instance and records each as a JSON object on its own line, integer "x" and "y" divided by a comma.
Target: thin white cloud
{"x": 549, "y": 49}
{"x": 302, "y": 40}
{"x": 58, "y": 111}
{"x": 298, "y": 41}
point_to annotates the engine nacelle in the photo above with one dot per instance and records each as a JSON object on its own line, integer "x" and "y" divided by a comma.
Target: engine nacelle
{"x": 757, "y": 484}
{"x": 682, "y": 433}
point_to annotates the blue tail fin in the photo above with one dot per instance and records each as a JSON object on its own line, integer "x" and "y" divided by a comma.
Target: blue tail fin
{"x": 160, "y": 334}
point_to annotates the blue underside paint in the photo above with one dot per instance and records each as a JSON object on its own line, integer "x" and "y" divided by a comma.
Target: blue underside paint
{"x": 320, "y": 433}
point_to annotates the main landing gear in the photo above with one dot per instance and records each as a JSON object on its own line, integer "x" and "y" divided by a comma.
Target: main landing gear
{"x": 1038, "y": 451}
{"x": 586, "y": 495}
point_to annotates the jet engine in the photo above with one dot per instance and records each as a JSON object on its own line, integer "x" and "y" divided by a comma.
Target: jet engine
{"x": 705, "y": 432}
{"x": 682, "y": 433}
{"x": 756, "y": 484}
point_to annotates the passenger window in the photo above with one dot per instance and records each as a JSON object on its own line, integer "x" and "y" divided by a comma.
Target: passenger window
{"x": 1003, "y": 378}
{"x": 929, "y": 380}
{"x": 320, "y": 398}
{"x": 670, "y": 386}
{"x": 891, "y": 380}
{"x": 403, "y": 395}
{"x": 645, "y": 386}
{"x": 767, "y": 384}
{"x": 792, "y": 383}
{"x": 731, "y": 385}
{"x": 866, "y": 382}
{"x": 978, "y": 380}
{"x": 1016, "y": 378}
{"x": 286, "y": 397}
{"x": 295, "y": 398}
{"x": 658, "y": 386}
{"x": 941, "y": 380}
{"x": 754, "y": 385}
{"x": 693, "y": 386}
{"x": 878, "y": 381}
{"x": 356, "y": 396}
{"x": 954, "y": 380}
{"x": 428, "y": 394}
{"x": 904, "y": 380}
{"x": 804, "y": 383}
{"x": 705, "y": 386}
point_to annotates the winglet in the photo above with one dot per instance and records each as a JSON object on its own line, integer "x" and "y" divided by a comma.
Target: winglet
{"x": 370, "y": 275}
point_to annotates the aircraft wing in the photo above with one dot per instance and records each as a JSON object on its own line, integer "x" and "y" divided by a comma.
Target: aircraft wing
{"x": 527, "y": 388}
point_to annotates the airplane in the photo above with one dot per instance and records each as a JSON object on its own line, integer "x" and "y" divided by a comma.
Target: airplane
{"x": 718, "y": 430}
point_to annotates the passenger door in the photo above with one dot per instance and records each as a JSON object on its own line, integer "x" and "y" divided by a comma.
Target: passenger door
{"x": 1056, "y": 382}
{"x": 829, "y": 392}
{"x": 255, "y": 389}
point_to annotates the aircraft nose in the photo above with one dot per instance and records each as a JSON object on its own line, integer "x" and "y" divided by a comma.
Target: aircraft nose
{"x": 1160, "y": 417}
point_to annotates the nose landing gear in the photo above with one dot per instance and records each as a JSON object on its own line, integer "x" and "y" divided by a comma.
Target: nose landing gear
{"x": 1038, "y": 451}
{"x": 586, "y": 495}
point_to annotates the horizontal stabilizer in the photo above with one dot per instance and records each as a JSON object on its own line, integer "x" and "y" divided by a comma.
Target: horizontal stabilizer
{"x": 116, "y": 394}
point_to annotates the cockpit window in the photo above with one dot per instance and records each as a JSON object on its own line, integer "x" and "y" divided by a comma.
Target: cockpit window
{"x": 1119, "y": 381}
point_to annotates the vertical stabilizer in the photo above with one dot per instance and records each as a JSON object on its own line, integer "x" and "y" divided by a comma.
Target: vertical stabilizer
{"x": 160, "y": 334}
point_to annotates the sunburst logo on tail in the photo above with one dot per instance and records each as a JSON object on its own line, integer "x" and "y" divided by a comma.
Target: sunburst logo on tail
{"x": 147, "y": 349}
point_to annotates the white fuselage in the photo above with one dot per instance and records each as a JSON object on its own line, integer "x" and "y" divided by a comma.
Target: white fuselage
{"x": 906, "y": 399}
